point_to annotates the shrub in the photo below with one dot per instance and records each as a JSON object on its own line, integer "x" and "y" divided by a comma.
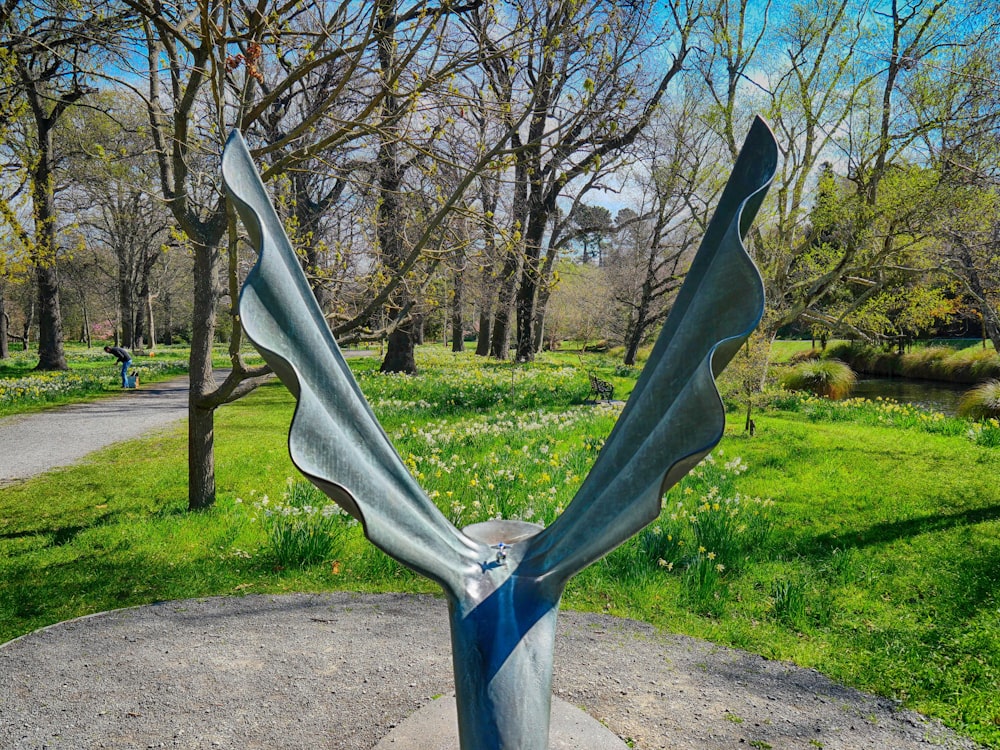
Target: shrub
{"x": 304, "y": 528}
{"x": 932, "y": 362}
{"x": 865, "y": 358}
{"x": 831, "y": 378}
{"x": 982, "y": 402}
{"x": 974, "y": 365}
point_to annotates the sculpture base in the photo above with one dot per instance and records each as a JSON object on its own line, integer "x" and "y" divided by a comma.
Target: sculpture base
{"x": 435, "y": 727}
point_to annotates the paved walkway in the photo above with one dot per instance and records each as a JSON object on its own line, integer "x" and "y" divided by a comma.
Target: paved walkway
{"x": 33, "y": 443}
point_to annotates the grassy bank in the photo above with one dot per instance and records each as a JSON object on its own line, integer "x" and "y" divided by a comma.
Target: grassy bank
{"x": 953, "y": 364}
{"x": 859, "y": 539}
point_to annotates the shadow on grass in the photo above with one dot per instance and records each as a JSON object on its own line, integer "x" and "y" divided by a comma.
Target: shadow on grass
{"x": 106, "y": 582}
{"x": 884, "y": 533}
{"x": 962, "y": 573}
{"x": 61, "y": 535}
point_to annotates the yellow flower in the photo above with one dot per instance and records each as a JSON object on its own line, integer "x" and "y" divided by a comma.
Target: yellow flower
{"x": 711, "y": 555}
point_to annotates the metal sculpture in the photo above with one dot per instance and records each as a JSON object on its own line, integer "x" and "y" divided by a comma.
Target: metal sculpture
{"x": 504, "y": 579}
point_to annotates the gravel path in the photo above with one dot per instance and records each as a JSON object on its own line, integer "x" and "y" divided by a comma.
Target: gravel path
{"x": 340, "y": 670}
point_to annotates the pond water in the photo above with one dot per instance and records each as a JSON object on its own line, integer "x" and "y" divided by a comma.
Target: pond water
{"x": 930, "y": 394}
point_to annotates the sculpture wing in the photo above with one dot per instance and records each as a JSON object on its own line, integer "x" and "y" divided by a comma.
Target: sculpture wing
{"x": 674, "y": 416}
{"x": 335, "y": 440}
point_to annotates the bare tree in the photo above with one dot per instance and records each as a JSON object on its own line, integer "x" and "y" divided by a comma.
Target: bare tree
{"x": 591, "y": 65}
{"x": 220, "y": 72}
{"x": 571, "y": 71}
{"x": 113, "y": 199}
{"x": 48, "y": 56}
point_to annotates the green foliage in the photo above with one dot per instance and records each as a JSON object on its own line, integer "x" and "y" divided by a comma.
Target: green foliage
{"x": 906, "y": 310}
{"x": 828, "y": 377}
{"x": 877, "y": 562}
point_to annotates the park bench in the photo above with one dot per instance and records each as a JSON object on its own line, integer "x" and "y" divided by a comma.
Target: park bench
{"x": 602, "y": 389}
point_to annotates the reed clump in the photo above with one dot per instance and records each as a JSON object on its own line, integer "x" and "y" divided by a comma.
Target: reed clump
{"x": 982, "y": 402}
{"x": 827, "y": 377}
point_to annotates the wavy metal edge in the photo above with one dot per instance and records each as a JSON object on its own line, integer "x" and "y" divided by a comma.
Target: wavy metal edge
{"x": 335, "y": 438}
{"x": 674, "y": 415}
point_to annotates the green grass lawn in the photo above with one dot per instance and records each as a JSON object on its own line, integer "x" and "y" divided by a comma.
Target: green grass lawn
{"x": 877, "y": 562}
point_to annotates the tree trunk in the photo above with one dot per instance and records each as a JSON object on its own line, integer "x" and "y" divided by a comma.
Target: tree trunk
{"x": 168, "y": 324}
{"x": 29, "y": 319}
{"x": 143, "y": 315}
{"x": 138, "y": 327}
{"x": 4, "y": 322}
{"x": 50, "y": 333}
{"x": 513, "y": 265}
{"x": 485, "y": 323}
{"x": 149, "y": 315}
{"x": 525, "y": 304}
{"x": 391, "y": 215}
{"x": 126, "y": 306}
{"x": 633, "y": 337}
{"x": 542, "y": 303}
{"x": 201, "y": 420}
{"x": 399, "y": 351}
{"x": 86, "y": 320}
{"x": 43, "y": 256}
{"x": 538, "y": 324}
{"x": 500, "y": 337}
{"x": 632, "y": 345}
{"x": 457, "y": 324}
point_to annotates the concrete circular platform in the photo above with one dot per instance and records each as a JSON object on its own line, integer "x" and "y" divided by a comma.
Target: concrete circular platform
{"x": 344, "y": 670}
{"x": 435, "y": 727}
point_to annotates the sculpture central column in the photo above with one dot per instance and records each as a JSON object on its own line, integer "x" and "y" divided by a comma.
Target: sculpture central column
{"x": 503, "y": 640}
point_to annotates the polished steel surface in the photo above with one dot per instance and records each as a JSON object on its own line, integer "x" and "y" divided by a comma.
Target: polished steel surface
{"x": 503, "y": 593}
